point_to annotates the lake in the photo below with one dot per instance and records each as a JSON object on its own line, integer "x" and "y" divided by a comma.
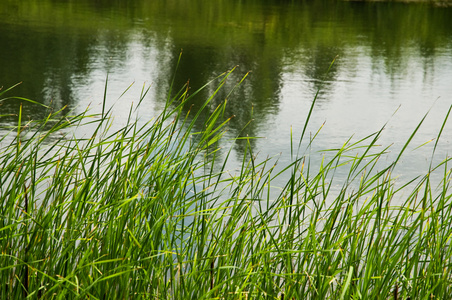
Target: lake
{"x": 392, "y": 64}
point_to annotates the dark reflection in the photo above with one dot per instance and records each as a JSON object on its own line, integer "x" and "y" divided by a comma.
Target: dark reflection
{"x": 394, "y": 28}
{"x": 60, "y": 44}
{"x": 44, "y": 61}
{"x": 198, "y": 66}
{"x": 319, "y": 71}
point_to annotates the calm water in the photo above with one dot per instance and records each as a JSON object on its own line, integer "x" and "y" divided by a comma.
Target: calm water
{"x": 394, "y": 63}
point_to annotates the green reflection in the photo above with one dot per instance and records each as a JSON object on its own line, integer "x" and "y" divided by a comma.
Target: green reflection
{"x": 55, "y": 47}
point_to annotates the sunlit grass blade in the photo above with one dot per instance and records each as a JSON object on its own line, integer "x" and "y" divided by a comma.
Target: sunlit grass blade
{"x": 151, "y": 211}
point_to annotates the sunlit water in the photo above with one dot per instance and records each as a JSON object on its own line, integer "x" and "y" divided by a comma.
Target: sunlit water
{"x": 393, "y": 64}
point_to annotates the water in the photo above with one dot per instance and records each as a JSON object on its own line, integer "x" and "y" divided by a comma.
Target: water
{"x": 393, "y": 64}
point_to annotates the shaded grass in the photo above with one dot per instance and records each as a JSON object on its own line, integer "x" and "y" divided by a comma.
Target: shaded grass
{"x": 151, "y": 212}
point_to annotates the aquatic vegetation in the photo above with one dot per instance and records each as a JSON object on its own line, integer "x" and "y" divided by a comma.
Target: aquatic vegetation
{"x": 152, "y": 212}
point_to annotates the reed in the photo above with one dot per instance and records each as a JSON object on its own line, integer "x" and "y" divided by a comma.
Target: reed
{"x": 151, "y": 212}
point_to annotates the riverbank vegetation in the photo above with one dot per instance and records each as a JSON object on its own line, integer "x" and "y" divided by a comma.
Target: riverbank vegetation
{"x": 153, "y": 212}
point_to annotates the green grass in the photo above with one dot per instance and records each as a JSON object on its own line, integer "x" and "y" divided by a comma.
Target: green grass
{"x": 151, "y": 212}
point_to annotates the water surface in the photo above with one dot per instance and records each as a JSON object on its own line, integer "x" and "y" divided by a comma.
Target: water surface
{"x": 393, "y": 64}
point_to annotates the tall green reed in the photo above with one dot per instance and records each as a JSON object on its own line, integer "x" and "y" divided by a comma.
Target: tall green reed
{"x": 151, "y": 212}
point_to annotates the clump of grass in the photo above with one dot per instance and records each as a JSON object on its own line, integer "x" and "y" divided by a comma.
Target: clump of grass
{"x": 151, "y": 212}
